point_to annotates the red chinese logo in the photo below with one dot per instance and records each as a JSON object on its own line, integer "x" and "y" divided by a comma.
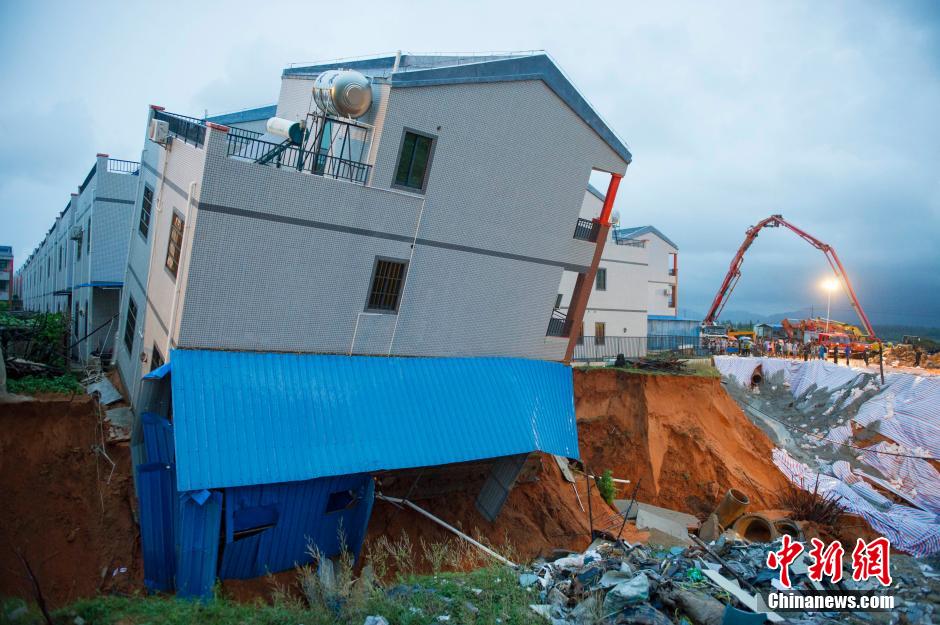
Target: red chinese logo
{"x": 826, "y": 560}
{"x": 784, "y": 558}
{"x": 869, "y": 560}
{"x": 872, "y": 559}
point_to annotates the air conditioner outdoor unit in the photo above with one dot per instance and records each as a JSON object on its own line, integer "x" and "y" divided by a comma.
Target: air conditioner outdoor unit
{"x": 75, "y": 233}
{"x": 159, "y": 131}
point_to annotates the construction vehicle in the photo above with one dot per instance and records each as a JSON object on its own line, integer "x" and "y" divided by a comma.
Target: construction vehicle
{"x": 734, "y": 274}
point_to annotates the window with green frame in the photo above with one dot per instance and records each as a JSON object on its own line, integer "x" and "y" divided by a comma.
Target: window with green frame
{"x": 413, "y": 161}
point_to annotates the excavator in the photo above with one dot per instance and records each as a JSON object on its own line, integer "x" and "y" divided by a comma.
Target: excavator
{"x": 837, "y": 333}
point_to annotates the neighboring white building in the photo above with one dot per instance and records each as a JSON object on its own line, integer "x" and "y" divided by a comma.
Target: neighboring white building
{"x": 6, "y": 274}
{"x": 78, "y": 268}
{"x": 637, "y": 277}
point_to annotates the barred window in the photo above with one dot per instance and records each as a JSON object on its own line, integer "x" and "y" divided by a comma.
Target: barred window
{"x": 388, "y": 276}
{"x": 130, "y": 324}
{"x": 600, "y": 282}
{"x": 175, "y": 245}
{"x": 144, "y": 226}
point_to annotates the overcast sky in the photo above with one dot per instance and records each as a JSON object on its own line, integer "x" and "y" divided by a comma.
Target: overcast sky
{"x": 826, "y": 112}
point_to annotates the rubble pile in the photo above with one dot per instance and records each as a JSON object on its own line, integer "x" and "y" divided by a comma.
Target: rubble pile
{"x": 618, "y": 582}
{"x": 906, "y": 356}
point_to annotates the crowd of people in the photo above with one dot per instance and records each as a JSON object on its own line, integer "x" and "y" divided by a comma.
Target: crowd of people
{"x": 784, "y": 348}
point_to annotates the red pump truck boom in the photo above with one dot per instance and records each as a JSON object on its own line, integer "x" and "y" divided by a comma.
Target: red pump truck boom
{"x": 734, "y": 271}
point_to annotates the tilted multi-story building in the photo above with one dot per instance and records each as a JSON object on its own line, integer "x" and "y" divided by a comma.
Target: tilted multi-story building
{"x": 79, "y": 266}
{"x": 438, "y": 223}
{"x": 283, "y": 260}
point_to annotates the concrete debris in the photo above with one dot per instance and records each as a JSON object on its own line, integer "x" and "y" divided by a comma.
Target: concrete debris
{"x": 106, "y": 392}
{"x": 688, "y": 521}
{"x": 617, "y": 583}
{"x": 120, "y": 421}
{"x": 648, "y": 519}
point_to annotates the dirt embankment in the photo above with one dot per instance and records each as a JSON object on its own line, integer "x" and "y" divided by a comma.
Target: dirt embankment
{"x": 684, "y": 436}
{"x": 58, "y": 510}
{"x": 541, "y": 514}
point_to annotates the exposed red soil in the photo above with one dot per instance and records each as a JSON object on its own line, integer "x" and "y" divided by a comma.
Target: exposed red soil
{"x": 683, "y": 436}
{"x": 58, "y": 511}
{"x": 541, "y": 515}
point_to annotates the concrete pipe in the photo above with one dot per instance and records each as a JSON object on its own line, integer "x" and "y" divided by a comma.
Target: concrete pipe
{"x": 789, "y": 527}
{"x": 758, "y": 376}
{"x": 731, "y": 507}
{"x": 756, "y": 528}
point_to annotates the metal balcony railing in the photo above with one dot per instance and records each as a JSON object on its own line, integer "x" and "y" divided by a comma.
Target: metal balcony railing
{"x": 558, "y": 324}
{"x": 118, "y": 166}
{"x": 280, "y": 155}
{"x": 586, "y": 230}
{"x": 189, "y": 129}
{"x": 591, "y": 348}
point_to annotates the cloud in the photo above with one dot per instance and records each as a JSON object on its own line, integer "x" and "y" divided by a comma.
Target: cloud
{"x": 824, "y": 112}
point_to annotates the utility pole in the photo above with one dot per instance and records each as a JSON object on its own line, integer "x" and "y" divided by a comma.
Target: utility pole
{"x": 881, "y": 360}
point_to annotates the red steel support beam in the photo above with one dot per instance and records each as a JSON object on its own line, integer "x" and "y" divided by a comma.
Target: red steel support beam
{"x": 585, "y": 282}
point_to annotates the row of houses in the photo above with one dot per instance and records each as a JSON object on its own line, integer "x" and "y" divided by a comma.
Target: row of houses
{"x": 386, "y": 270}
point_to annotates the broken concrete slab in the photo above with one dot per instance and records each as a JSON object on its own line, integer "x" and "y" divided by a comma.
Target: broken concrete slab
{"x": 106, "y": 392}
{"x": 754, "y": 602}
{"x": 652, "y": 520}
{"x": 121, "y": 422}
{"x": 681, "y": 518}
{"x": 565, "y": 469}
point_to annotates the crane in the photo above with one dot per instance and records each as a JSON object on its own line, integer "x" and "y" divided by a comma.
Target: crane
{"x": 734, "y": 270}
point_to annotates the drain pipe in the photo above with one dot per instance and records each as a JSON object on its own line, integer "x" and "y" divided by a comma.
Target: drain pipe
{"x": 448, "y": 527}
{"x": 408, "y": 272}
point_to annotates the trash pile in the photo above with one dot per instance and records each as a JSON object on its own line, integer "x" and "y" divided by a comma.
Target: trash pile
{"x": 614, "y": 582}
{"x": 666, "y": 363}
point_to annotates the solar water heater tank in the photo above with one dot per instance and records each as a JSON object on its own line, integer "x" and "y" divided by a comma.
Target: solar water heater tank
{"x": 343, "y": 93}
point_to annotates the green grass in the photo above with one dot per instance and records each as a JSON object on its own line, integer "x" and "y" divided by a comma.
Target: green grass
{"x": 416, "y": 600}
{"x": 34, "y": 384}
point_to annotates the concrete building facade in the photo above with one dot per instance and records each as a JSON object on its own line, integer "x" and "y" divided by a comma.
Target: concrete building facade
{"x": 78, "y": 268}
{"x": 345, "y": 255}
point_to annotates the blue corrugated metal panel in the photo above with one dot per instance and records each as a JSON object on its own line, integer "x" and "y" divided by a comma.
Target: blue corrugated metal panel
{"x": 300, "y": 520}
{"x": 158, "y": 438}
{"x": 672, "y": 327}
{"x": 156, "y": 494}
{"x": 248, "y": 418}
{"x": 198, "y": 550}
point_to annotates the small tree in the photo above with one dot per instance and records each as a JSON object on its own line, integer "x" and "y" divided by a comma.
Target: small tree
{"x": 605, "y": 486}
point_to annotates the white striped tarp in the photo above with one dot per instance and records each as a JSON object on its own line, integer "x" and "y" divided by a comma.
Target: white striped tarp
{"x": 822, "y": 375}
{"x": 908, "y": 412}
{"x": 914, "y": 477}
{"x": 911, "y": 530}
{"x": 740, "y": 369}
